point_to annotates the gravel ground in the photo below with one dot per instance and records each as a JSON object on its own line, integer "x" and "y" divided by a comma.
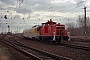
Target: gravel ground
{"x": 75, "y": 54}
{"x": 3, "y": 56}
{"x": 79, "y": 43}
{"x": 13, "y": 54}
{"x": 80, "y": 39}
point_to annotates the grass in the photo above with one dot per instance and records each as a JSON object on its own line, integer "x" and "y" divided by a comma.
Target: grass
{"x": 5, "y": 50}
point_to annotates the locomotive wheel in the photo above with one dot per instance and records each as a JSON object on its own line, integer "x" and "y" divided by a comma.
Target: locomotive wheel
{"x": 58, "y": 42}
{"x": 42, "y": 38}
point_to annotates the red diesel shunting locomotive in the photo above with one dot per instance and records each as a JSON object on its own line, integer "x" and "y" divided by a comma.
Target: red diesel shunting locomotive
{"x": 53, "y": 32}
{"x": 49, "y": 31}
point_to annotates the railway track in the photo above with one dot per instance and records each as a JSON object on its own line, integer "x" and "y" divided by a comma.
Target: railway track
{"x": 33, "y": 53}
{"x": 75, "y": 46}
{"x": 86, "y": 48}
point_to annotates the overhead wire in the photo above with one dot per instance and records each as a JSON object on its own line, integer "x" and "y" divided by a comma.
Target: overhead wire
{"x": 64, "y": 9}
{"x": 71, "y": 7}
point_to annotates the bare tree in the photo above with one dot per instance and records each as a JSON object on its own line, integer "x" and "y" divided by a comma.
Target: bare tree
{"x": 81, "y": 22}
{"x": 79, "y": 31}
{"x": 70, "y": 28}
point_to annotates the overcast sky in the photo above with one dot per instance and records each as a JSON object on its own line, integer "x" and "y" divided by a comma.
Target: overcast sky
{"x": 23, "y": 14}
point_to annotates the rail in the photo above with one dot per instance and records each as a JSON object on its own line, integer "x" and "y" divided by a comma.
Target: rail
{"x": 17, "y": 45}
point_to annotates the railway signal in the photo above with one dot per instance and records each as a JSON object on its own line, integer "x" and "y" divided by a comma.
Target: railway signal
{"x": 5, "y": 16}
{"x": 8, "y": 28}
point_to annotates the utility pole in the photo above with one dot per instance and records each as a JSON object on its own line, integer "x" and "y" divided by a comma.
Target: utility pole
{"x": 85, "y": 29}
{"x": 2, "y": 30}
